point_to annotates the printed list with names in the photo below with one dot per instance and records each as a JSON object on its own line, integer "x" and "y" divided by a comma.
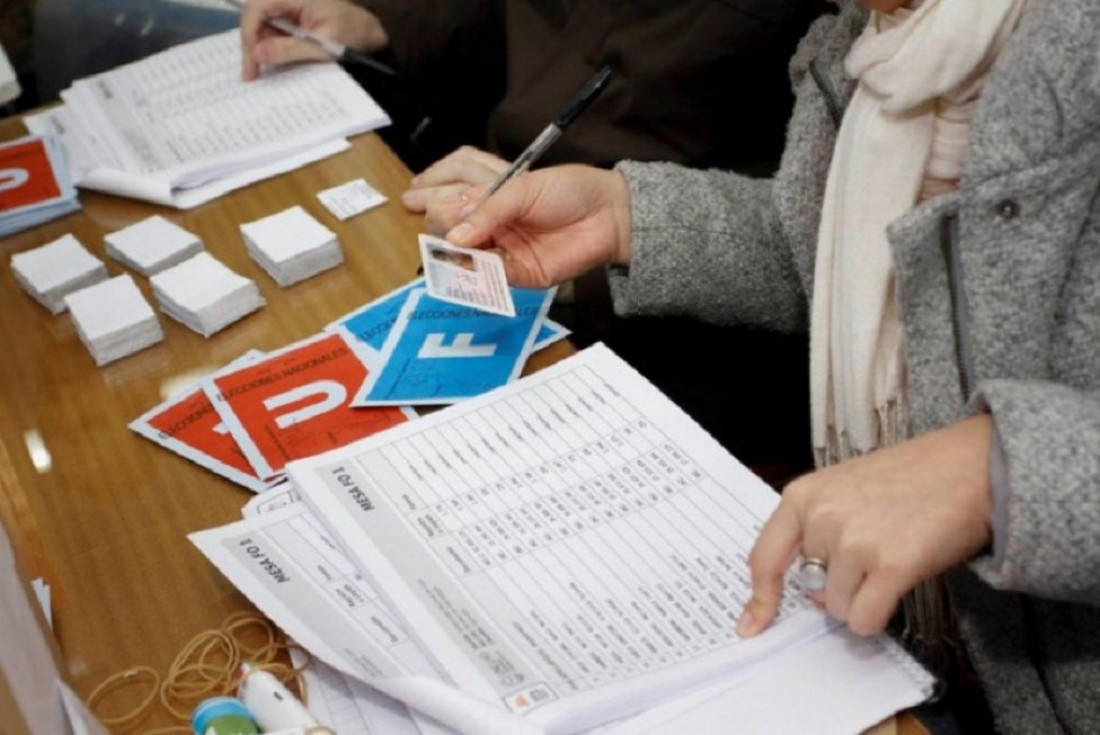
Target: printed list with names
{"x": 599, "y": 546}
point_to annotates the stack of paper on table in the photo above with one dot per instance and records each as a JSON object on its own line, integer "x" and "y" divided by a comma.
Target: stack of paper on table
{"x": 554, "y": 556}
{"x": 180, "y": 127}
{"x": 291, "y": 245}
{"x": 113, "y": 319}
{"x": 204, "y": 294}
{"x": 151, "y": 245}
{"x": 50, "y": 272}
{"x": 35, "y": 185}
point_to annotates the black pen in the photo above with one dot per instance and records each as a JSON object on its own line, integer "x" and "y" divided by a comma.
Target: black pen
{"x": 581, "y": 100}
{"x": 338, "y": 51}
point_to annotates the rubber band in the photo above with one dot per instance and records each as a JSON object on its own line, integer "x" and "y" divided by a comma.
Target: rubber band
{"x": 206, "y": 666}
{"x": 122, "y": 680}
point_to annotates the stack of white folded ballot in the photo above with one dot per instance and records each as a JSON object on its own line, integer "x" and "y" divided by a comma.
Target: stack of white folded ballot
{"x": 205, "y": 295}
{"x": 151, "y": 245}
{"x": 113, "y": 319}
{"x": 292, "y": 246}
{"x": 50, "y": 272}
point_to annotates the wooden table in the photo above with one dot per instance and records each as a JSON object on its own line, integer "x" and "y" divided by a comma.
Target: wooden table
{"x": 101, "y": 513}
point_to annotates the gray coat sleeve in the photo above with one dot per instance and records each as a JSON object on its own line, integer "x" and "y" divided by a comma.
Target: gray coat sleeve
{"x": 1050, "y": 437}
{"x": 1048, "y": 543}
{"x": 708, "y": 244}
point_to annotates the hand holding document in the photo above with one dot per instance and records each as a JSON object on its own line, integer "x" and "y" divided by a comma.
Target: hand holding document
{"x": 554, "y": 556}
{"x": 180, "y": 127}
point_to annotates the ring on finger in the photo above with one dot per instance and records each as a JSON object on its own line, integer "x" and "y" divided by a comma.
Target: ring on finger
{"x": 812, "y": 572}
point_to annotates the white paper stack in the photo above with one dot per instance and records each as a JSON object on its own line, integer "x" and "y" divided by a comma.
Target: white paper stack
{"x": 204, "y": 294}
{"x": 292, "y": 246}
{"x": 151, "y": 245}
{"x": 113, "y": 319}
{"x": 51, "y": 272}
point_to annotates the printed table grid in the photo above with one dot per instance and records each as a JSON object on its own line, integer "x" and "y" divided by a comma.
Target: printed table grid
{"x": 617, "y": 550}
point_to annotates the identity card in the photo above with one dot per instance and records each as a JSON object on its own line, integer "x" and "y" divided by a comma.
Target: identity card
{"x": 466, "y": 277}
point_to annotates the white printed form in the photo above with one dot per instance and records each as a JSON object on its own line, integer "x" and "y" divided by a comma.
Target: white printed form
{"x": 179, "y": 111}
{"x": 292, "y": 569}
{"x": 573, "y": 539}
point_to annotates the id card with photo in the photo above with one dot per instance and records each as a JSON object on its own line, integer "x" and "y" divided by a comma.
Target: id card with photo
{"x": 466, "y": 277}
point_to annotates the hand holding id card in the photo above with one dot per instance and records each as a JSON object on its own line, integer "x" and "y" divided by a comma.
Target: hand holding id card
{"x": 466, "y": 277}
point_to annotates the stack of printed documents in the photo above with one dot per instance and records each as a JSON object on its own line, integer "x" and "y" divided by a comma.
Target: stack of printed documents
{"x": 205, "y": 295}
{"x": 113, "y": 319}
{"x": 291, "y": 245}
{"x": 180, "y": 127}
{"x": 35, "y": 185}
{"x": 53, "y": 271}
{"x": 564, "y": 554}
{"x": 151, "y": 245}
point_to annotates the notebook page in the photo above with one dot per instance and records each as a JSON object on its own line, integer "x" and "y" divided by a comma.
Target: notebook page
{"x": 573, "y": 538}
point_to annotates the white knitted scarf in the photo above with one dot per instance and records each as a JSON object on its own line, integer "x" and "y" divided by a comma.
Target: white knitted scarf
{"x": 904, "y": 138}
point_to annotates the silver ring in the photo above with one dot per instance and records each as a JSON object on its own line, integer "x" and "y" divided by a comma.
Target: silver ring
{"x": 812, "y": 572}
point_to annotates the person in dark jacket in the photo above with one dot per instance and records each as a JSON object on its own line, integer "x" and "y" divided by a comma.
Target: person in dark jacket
{"x": 702, "y": 83}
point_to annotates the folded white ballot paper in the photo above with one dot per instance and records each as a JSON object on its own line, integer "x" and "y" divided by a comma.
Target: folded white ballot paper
{"x": 205, "y": 294}
{"x": 53, "y": 271}
{"x": 553, "y": 556}
{"x": 181, "y": 127}
{"x": 291, "y": 245}
{"x": 151, "y": 245}
{"x": 113, "y": 319}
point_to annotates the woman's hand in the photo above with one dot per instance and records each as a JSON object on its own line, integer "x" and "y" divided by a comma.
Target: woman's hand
{"x": 339, "y": 20}
{"x": 451, "y": 176}
{"x": 551, "y": 225}
{"x": 882, "y": 523}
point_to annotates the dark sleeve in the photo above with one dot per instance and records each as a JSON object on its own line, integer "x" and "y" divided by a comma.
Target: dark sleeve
{"x": 426, "y": 33}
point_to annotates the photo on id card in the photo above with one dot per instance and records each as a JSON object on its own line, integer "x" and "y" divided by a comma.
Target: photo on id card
{"x": 466, "y": 277}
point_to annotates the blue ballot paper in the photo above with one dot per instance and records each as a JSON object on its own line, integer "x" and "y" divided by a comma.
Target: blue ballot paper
{"x": 438, "y": 352}
{"x": 368, "y": 326}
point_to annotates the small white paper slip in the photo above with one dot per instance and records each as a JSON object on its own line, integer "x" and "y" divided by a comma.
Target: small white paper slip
{"x": 347, "y": 200}
{"x": 286, "y": 235}
{"x": 151, "y": 245}
{"x": 52, "y": 271}
{"x": 465, "y": 276}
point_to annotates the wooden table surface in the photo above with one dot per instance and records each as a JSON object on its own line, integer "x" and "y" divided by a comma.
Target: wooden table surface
{"x": 101, "y": 513}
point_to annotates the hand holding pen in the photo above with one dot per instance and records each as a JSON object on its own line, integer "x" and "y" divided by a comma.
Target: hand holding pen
{"x": 275, "y": 32}
{"x": 584, "y": 97}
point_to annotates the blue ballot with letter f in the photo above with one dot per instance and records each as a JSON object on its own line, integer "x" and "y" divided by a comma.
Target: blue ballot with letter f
{"x": 438, "y": 352}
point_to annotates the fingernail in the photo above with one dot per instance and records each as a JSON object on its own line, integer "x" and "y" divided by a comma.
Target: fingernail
{"x": 408, "y": 198}
{"x": 415, "y": 180}
{"x": 460, "y": 232}
{"x": 465, "y": 211}
{"x": 746, "y": 626}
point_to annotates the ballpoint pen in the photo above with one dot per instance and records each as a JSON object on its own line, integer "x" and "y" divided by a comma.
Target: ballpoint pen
{"x": 337, "y": 50}
{"x": 581, "y": 100}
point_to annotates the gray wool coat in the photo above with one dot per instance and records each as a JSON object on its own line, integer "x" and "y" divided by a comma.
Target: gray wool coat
{"x": 999, "y": 295}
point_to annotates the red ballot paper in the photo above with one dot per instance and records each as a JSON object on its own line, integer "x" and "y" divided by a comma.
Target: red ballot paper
{"x": 294, "y": 403}
{"x": 26, "y": 175}
{"x": 191, "y": 427}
